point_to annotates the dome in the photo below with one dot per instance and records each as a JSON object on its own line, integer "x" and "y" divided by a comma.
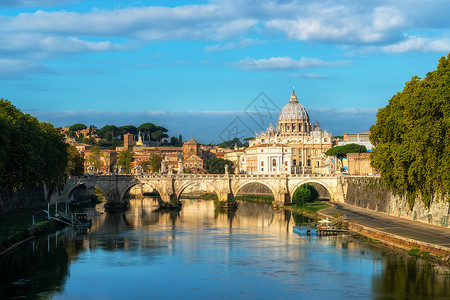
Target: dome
{"x": 271, "y": 129}
{"x": 293, "y": 111}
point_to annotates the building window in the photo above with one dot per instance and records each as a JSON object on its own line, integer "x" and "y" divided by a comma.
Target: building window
{"x": 309, "y": 163}
{"x": 262, "y": 149}
{"x": 262, "y": 169}
{"x": 294, "y": 162}
{"x": 325, "y": 140}
{"x": 199, "y": 164}
{"x": 195, "y": 165}
{"x": 190, "y": 165}
{"x": 294, "y": 151}
{"x": 285, "y": 163}
{"x": 192, "y": 150}
{"x": 274, "y": 162}
{"x": 262, "y": 164}
{"x": 186, "y": 165}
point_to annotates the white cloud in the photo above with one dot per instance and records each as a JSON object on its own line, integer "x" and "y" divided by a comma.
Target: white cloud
{"x": 418, "y": 44}
{"x": 53, "y": 43}
{"x": 285, "y": 64}
{"x": 234, "y": 45}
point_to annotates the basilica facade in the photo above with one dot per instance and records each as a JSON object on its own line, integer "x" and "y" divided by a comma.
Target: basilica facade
{"x": 295, "y": 146}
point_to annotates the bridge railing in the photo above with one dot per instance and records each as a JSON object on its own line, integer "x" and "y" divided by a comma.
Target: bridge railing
{"x": 115, "y": 176}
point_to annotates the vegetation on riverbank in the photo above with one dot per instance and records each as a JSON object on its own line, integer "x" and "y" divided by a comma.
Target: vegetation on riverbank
{"x": 266, "y": 199}
{"x": 412, "y": 138}
{"x": 309, "y": 209}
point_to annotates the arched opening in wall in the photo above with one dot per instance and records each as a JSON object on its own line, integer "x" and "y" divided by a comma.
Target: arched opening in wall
{"x": 198, "y": 190}
{"x": 255, "y": 192}
{"x": 83, "y": 195}
{"x": 140, "y": 192}
{"x": 310, "y": 195}
{"x": 323, "y": 192}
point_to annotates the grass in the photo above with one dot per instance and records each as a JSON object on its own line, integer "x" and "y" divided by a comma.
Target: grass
{"x": 312, "y": 208}
{"x": 267, "y": 199}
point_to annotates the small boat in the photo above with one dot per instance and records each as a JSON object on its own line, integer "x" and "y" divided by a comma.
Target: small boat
{"x": 80, "y": 221}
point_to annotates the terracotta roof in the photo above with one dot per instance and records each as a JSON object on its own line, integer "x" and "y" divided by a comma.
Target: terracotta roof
{"x": 191, "y": 142}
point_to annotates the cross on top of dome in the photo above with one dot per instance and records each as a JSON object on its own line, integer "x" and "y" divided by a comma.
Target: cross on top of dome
{"x": 293, "y": 96}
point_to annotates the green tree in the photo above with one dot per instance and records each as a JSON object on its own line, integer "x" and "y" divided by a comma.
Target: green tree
{"x": 148, "y": 129}
{"x": 94, "y": 158}
{"x": 77, "y": 127}
{"x": 341, "y": 151}
{"x": 75, "y": 162}
{"x": 108, "y": 132}
{"x": 180, "y": 141}
{"x": 155, "y": 162}
{"x": 411, "y": 138}
{"x": 158, "y": 135}
{"x": 217, "y": 165}
{"x": 126, "y": 160}
{"x": 304, "y": 194}
{"x": 128, "y": 129}
{"x": 31, "y": 152}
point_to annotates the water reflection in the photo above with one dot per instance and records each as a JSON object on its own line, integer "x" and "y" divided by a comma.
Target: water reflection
{"x": 249, "y": 253}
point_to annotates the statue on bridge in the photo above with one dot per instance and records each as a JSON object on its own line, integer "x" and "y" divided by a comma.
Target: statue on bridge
{"x": 91, "y": 169}
{"x": 226, "y": 170}
{"x": 138, "y": 169}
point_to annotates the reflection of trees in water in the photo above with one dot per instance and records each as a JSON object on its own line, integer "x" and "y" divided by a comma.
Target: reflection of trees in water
{"x": 407, "y": 277}
{"x": 300, "y": 219}
{"x": 33, "y": 270}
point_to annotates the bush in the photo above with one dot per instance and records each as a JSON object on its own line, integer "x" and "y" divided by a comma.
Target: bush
{"x": 305, "y": 194}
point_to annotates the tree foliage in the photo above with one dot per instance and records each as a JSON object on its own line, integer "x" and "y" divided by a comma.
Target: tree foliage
{"x": 75, "y": 164}
{"x": 31, "y": 152}
{"x": 148, "y": 129}
{"x": 304, "y": 194}
{"x": 126, "y": 160}
{"x": 412, "y": 138}
{"x": 217, "y": 165}
{"x": 94, "y": 157}
{"x": 342, "y": 151}
{"x": 77, "y": 127}
{"x": 154, "y": 162}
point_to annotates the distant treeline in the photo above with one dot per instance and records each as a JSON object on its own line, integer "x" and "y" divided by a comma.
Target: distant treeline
{"x": 111, "y": 136}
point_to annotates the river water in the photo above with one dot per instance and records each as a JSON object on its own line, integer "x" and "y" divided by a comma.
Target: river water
{"x": 199, "y": 253}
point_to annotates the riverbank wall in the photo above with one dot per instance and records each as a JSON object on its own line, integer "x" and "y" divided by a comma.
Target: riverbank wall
{"x": 370, "y": 193}
{"x": 27, "y": 198}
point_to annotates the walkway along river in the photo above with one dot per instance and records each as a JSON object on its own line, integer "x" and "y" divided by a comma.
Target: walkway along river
{"x": 199, "y": 253}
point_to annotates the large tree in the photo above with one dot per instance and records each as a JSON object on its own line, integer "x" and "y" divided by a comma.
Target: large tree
{"x": 412, "y": 138}
{"x": 126, "y": 160}
{"x": 341, "y": 151}
{"x": 148, "y": 129}
{"x": 75, "y": 162}
{"x": 77, "y": 127}
{"x": 31, "y": 152}
{"x": 217, "y": 165}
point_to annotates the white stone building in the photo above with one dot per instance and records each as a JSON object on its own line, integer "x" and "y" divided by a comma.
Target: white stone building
{"x": 267, "y": 159}
{"x": 305, "y": 143}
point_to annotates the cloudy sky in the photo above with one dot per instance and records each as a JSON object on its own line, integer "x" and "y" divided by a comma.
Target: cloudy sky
{"x": 203, "y": 68}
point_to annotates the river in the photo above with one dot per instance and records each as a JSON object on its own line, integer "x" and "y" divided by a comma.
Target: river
{"x": 199, "y": 253}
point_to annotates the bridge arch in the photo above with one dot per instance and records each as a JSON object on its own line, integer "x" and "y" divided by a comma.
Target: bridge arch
{"x": 327, "y": 188}
{"x": 131, "y": 185}
{"x": 240, "y": 186}
{"x": 185, "y": 185}
{"x": 87, "y": 185}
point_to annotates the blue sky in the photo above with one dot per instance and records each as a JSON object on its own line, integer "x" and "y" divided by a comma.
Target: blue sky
{"x": 194, "y": 66}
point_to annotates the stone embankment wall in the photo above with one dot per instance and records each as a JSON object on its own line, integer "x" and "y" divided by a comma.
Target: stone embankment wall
{"x": 371, "y": 193}
{"x": 22, "y": 199}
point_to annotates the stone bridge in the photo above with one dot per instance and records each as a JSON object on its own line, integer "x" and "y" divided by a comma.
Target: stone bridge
{"x": 226, "y": 187}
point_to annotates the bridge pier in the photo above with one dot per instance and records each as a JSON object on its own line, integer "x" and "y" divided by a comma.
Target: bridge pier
{"x": 113, "y": 201}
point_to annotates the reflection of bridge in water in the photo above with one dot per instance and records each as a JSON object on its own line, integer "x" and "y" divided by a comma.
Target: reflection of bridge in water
{"x": 226, "y": 187}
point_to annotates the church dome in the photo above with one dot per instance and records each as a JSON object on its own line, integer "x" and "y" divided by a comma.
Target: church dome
{"x": 271, "y": 129}
{"x": 293, "y": 111}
